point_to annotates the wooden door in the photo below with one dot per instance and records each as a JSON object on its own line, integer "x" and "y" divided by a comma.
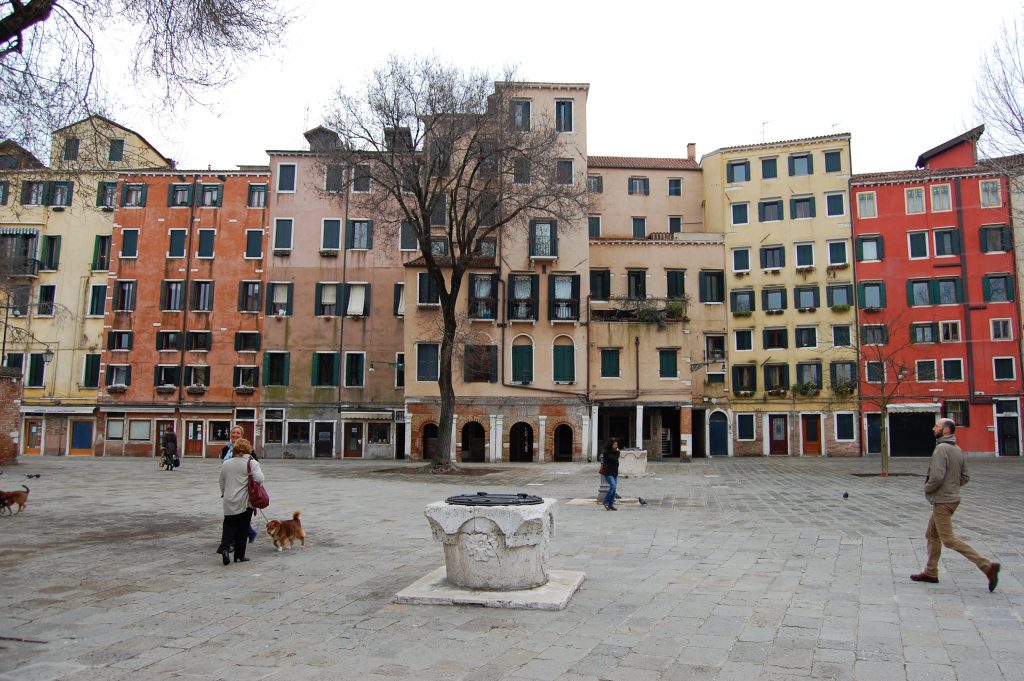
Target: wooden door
{"x": 33, "y": 437}
{"x": 194, "y": 439}
{"x": 778, "y": 435}
{"x": 81, "y": 438}
{"x": 811, "y": 426}
{"x": 353, "y": 440}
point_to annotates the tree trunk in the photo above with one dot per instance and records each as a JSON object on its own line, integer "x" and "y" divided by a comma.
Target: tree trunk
{"x": 447, "y": 391}
{"x": 885, "y": 440}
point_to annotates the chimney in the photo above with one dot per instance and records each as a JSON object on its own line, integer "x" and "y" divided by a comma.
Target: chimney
{"x": 691, "y": 151}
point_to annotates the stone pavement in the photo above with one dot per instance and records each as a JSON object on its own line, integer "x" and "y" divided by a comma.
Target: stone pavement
{"x": 736, "y": 570}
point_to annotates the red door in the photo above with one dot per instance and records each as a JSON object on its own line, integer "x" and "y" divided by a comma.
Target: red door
{"x": 778, "y": 441}
{"x": 353, "y": 440}
{"x": 811, "y": 425}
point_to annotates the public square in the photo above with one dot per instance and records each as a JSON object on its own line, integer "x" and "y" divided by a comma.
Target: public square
{"x": 736, "y": 569}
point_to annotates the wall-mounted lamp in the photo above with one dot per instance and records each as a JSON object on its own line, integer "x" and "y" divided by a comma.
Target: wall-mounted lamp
{"x": 48, "y": 355}
{"x": 397, "y": 365}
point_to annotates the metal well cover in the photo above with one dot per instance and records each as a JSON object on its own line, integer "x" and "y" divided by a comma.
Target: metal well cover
{"x": 487, "y": 499}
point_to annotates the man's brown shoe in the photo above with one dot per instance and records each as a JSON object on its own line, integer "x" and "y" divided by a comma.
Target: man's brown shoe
{"x": 993, "y": 576}
{"x": 925, "y": 577}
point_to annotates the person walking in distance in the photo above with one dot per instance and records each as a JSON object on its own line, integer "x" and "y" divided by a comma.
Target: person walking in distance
{"x": 947, "y": 473}
{"x": 169, "y": 447}
{"x": 610, "y": 466}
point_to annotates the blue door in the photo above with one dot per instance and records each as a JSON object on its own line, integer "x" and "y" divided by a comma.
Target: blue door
{"x": 718, "y": 434}
{"x": 81, "y": 438}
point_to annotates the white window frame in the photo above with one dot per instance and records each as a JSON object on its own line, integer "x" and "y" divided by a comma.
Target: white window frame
{"x": 796, "y": 334}
{"x": 935, "y": 242}
{"x": 849, "y": 332}
{"x": 953, "y": 323}
{"x": 927, "y": 245}
{"x": 835, "y": 425}
{"x": 735, "y": 338}
{"x": 846, "y": 251}
{"x": 753, "y": 421}
{"x": 1013, "y": 366}
{"x": 953, "y": 359}
{"x": 344, "y": 370}
{"x": 982, "y": 193}
{"x": 291, "y": 240}
{"x": 199, "y": 241}
{"x": 796, "y": 254}
{"x": 323, "y": 231}
{"x": 931, "y": 198}
{"x": 352, "y": 286}
{"x": 1002, "y": 321}
{"x": 732, "y": 213}
{"x": 133, "y": 437}
{"x": 841, "y": 195}
{"x": 917, "y": 373}
{"x": 121, "y": 254}
{"x": 867, "y": 200}
{"x": 416, "y": 373}
{"x": 867, "y": 374}
{"x": 572, "y": 115}
{"x": 295, "y": 178}
{"x": 121, "y": 369}
{"x": 744, "y": 248}
{"x": 668, "y": 185}
{"x": 912, "y": 191}
{"x": 245, "y": 255}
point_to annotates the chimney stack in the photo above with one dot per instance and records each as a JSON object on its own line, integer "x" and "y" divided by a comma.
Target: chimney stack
{"x": 691, "y": 151}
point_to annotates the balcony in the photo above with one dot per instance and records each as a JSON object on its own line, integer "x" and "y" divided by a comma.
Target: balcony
{"x": 22, "y": 267}
{"x": 658, "y": 311}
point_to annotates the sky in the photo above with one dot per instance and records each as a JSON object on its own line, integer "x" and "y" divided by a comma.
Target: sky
{"x": 898, "y": 75}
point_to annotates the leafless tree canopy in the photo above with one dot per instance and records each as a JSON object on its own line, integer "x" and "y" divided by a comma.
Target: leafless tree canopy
{"x": 49, "y": 58}
{"x": 999, "y": 100}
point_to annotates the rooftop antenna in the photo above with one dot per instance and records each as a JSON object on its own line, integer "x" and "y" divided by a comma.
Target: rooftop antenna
{"x": 763, "y": 124}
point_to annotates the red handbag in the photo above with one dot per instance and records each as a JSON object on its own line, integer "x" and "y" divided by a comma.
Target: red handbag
{"x": 258, "y": 497}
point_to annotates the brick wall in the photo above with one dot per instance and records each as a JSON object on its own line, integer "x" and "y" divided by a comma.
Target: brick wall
{"x": 10, "y": 418}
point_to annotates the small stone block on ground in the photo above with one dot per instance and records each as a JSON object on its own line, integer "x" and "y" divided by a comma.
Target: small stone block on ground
{"x": 434, "y": 589}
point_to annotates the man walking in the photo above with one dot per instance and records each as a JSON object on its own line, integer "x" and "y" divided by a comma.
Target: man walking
{"x": 947, "y": 472}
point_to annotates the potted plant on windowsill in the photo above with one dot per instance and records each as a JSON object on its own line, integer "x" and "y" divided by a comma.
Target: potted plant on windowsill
{"x": 777, "y": 391}
{"x": 844, "y": 388}
{"x": 117, "y": 388}
{"x": 744, "y": 393}
{"x": 806, "y": 309}
{"x": 327, "y": 253}
{"x": 838, "y": 266}
{"x": 741, "y": 313}
{"x": 245, "y": 389}
{"x": 840, "y": 308}
{"x": 196, "y": 389}
{"x": 809, "y": 389}
{"x": 773, "y": 311}
{"x": 165, "y": 389}
{"x": 804, "y": 269}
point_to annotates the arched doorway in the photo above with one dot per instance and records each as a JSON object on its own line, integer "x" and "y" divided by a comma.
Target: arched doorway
{"x": 473, "y": 443}
{"x": 563, "y": 443}
{"x": 429, "y": 441}
{"x": 520, "y": 442}
{"x": 718, "y": 434}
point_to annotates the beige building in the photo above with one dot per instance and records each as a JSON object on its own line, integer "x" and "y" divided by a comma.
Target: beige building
{"x": 55, "y": 232}
{"x": 784, "y": 211}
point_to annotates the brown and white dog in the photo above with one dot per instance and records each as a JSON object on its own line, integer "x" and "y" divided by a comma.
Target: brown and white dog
{"x": 281, "y": 531}
{"x": 9, "y": 499}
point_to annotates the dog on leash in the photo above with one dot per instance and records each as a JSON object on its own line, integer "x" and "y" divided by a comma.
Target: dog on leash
{"x": 9, "y": 499}
{"x": 281, "y": 531}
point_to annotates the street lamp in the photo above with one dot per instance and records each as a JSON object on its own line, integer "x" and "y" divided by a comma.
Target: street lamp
{"x": 47, "y": 355}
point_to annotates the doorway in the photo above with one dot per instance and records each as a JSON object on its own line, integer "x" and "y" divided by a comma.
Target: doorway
{"x": 400, "y": 440}
{"x": 33, "y": 437}
{"x": 353, "y": 440}
{"x": 718, "y": 434}
{"x": 429, "y": 441}
{"x": 473, "y": 443}
{"x": 698, "y": 443}
{"x": 810, "y": 426}
{"x": 563, "y": 443}
{"x": 162, "y": 427}
{"x": 910, "y": 433}
{"x": 873, "y": 424}
{"x": 778, "y": 435}
{"x": 194, "y": 438}
{"x": 520, "y": 438}
{"x": 1007, "y": 428}
{"x": 323, "y": 446}
{"x": 81, "y": 438}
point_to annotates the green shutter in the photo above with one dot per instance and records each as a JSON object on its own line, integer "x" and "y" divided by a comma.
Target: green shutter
{"x": 792, "y": 166}
{"x": 145, "y": 190}
{"x": 910, "y": 293}
{"x": 336, "y": 374}
{"x": 366, "y": 299}
{"x": 986, "y": 290}
{"x": 522, "y": 360}
{"x": 813, "y": 213}
{"x": 881, "y": 287}
{"x": 287, "y": 366}
{"x": 291, "y": 289}
{"x": 315, "y": 368}
{"x": 369, "y": 234}
{"x": 349, "y": 236}
{"x": 861, "y": 298}
{"x": 318, "y": 297}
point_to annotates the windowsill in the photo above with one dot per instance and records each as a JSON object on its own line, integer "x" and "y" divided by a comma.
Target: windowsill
{"x": 564, "y": 321}
{"x": 282, "y": 252}
{"x": 522, "y": 321}
{"x": 127, "y": 257}
{"x": 547, "y": 257}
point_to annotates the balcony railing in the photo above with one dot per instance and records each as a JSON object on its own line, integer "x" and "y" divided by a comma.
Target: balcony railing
{"x": 22, "y": 267}
{"x": 645, "y": 310}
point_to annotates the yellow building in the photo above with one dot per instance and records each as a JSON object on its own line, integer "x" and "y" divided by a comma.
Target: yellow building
{"x": 55, "y": 229}
{"x": 784, "y": 212}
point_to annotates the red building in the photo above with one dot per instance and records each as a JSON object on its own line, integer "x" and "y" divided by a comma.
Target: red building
{"x": 936, "y": 307}
{"x": 183, "y": 311}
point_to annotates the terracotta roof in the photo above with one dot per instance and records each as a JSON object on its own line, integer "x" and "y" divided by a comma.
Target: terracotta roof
{"x": 785, "y": 143}
{"x": 638, "y": 163}
{"x": 922, "y": 175}
{"x": 970, "y": 136}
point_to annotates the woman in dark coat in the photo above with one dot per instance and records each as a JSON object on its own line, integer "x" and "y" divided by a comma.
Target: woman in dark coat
{"x": 610, "y": 466}
{"x": 169, "y": 447}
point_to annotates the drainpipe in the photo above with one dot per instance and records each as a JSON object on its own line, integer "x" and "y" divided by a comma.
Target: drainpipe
{"x": 341, "y": 315}
{"x": 966, "y": 305}
{"x": 185, "y": 311}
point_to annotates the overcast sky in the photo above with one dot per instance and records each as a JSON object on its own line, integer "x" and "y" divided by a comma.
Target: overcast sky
{"x": 898, "y": 75}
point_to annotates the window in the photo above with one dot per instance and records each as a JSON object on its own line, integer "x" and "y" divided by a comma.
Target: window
{"x": 776, "y": 376}
{"x": 675, "y": 284}
{"x": 769, "y": 210}
{"x": 33, "y": 193}
{"x": 639, "y": 228}
{"x": 947, "y": 243}
{"x": 997, "y": 288}
{"x": 741, "y": 260}
{"x": 361, "y": 178}
{"x": 124, "y": 296}
{"x": 667, "y": 363}
{"x": 330, "y": 235}
{"x": 71, "y": 145}
{"x": 809, "y": 372}
{"x": 769, "y": 168}
{"x": 773, "y": 257}
{"x": 19, "y": 299}
{"x": 427, "y": 293}
{"x": 843, "y": 373}
{"x": 940, "y": 198}
{"x": 924, "y": 333}
{"x": 742, "y": 301}
{"x": 378, "y": 433}
{"x": 874, "y": 372}
{"x": 254, "y": 243}
{"x": 594, "y": 226}
{"x": 837, "y": 253}
{"x": 522, "y": 360}
{"x": 439, "y": 246}
{"x": 282, "y": 234}
{"x": 949, "y": 332}
{"x": 744, "y": 339}
{"x": 924, "y": 370}
{"x": 775, "y": 339}
{"x": 119, "y": 340}
{"x": 914, "y": 198}
{"x": 359, "y": 235}
{"x": 918, "y": 245}
{"x": 600, "y": 284}
{"x": 712, "y": 286}
{"x": 543, "y": 239}
{"x": 564, "y": 297}
{"x": 133, "y": 195}
{"x": 354, "y": 367}
{"x": 801, "y": 207}
{"x": 91, "y": 371}
{"x": 675, "y": 186}
{"x": 326, "y": 369}
{"x": 675, "y": 224}
{"x": 1001, "y": 330}
{"x": 275, "y": 368}
{"x": 740, "y": 214}
{"x": 197, "y": 375}
{"x": 871, "y": 295}
{"x": 211, "y": 195}
{"x": 176, "y": 243}
{"x": 563, "y": 115}
{"x": 839, "y": 294}
{"x": 835, "y": 204}
{"x": 357, "y": 298}
{"x": 298, "y": 432}
{"x": 991, "y": 194}
{"x": 833, "y": 161}
{"x": 171, "y": 296}
{"x": 996, "y": 239}
{"x": 426, "y": 361}
{"x": 564, "y": 361}
{"x": 115, "y": 152}
{"x": 958, "y": 411}
{"x": 49, "y": 259}
{"x": 638, "y": 185}
{"x": 874, "y": 334}
{"x": 250, "y": 298}
{"x": 737, "y": 171}
{"x": 866, "y": 205}
{"x": 714, "y": 348}
{"x": 483, "y": 296}
{"x": 480, "y": 364}
{"x": 106, "y": 194}
{"x": 407, "y": 237}
{"x": 636, "y": 284}
{"x": 947, "y": 292}
{"x": 523, "y": 297}
{"x": 257, "y": 196}
{"x": 745, "y": 427}
{"x": 246, "y": 376}
{"x": 47, "y": 298}
{"x": 60, "y": 193}
{"x": 774, "y": 298}
{"x": 129, "y": 243}
{"x": 807, "y": 336}
{"x": 800, "y": 164}
{"x": 804, "y": 255}
{"x": 97, "y": 300}
{"x": 521, "y": 114}
{"x": 918, "y": 293}
{"x": 119, "y": 374}
{"x": 206, "y": 238}
{"x": 563, "y": 171}
{"x": 202, "y": 296}
{"x": 744, "y": 377}
{"x": 286, "y": 177}
{"x": 845, "y": 431}
{"x": 952, "y": 370}
{"x": 1003, "y": 368}
{"x": 610, "y": 362}
{"x": 138, "y": 429}
{"x": 279, "y": 299}
{"x": 595, "y": 184}
{"x": 164, "y": 374}
{"x": 841, "y": 336}
{"x": 14, "y": 360}
{"x": 115, "y": 428}
{"x": 398, "y": 300}
{"x": 101, "y": 253}
{"x": 198, "y": 341}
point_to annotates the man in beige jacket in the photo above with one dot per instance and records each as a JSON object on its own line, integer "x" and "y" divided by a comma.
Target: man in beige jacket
{"x": 947, "y": 472}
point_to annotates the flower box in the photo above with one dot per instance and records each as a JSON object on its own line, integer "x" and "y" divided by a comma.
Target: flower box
{"x": 777, "y": 392}
{"x": 328, "y": 254}
{"x": 840, "y": 308}
{"x": 117, "y": 389}
{"x": 744, "y": 393}
{"x": 741, "y": 313}
{"x": 165, "y": 389}
{"x": 773, "y": 311}
{"x": 806, "y": 309}
{"x": 244, "y": 390}
{"x": 196, "y": 389}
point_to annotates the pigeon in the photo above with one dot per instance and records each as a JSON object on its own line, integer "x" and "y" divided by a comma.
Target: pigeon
{"x": 846, "y": 495}
{"x": 36, "y": 475}
{"x": 643, "y": 502}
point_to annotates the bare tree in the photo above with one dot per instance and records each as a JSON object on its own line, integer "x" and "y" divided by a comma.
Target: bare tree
{"x": 445, "y": 156}
{"x": 999, "y": 97}
{"x": 50, "y": 55}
